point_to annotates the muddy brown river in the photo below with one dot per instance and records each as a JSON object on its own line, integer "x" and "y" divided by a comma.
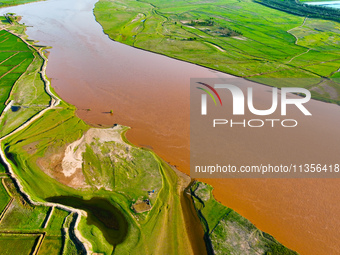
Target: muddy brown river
{"x": 150, "y": 93}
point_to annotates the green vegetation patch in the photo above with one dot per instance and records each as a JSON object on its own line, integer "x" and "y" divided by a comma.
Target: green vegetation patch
{"x": 56, "y": 222}
{"x": 4, "y": 197}
{"x": 17, "y": 244}
{"x": 22, "y": 216}
{"x": 15, "y": 2}
{"x": 23, "y": 221}
{"x": 227, "y": 232}
{"x": 119, "y": 166}
{"x": 20, "y": 82}
{"x": 243, "y": 38}
{"x": 51, "y": 245}
{"x": 2, "y": 168}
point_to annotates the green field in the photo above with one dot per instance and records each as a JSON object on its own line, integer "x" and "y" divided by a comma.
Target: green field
{"x": 56, "y": 222}
{"x": 20, "y": 81}
{"x": 21, "y": 244}
{"x": 23, "y": 223}
{"x": 4, "y": 198}
{"x": 271, "y": 43}
{"x": 15, "y": 57}
{"x": 51, "y": 245}
{"x": 23, "y": 217}
{"x": 2, "y": 169}
{"x": 16, "y": 2}
{"x": 227, "y": 232}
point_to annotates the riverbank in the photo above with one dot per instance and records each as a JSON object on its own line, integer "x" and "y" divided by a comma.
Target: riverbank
{"x": 28, "y": 149}
{"x": 192, "y": 33}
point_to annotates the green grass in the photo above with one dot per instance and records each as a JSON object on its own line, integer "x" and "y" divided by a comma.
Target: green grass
{"x": 29, "y": 94}
{"x": 21, "y": 215}
{"x": 16, "y": 2}
{"x": 17, "y": 244}
{"x": 227, "y": 232}
{"x": 51, "y": 245}
{"x": 121, "y": 163}
{"x": 120, "y": 179}
{"x": 212, "y": 210}
{"x": 265, "y": 48}
{"x": 4, "y": 198}
{"x": 93, "y": 233}
{"x": 22, "y": 218}
{"x": 2, "y": 168}
{"x": 56, "y": 222}
{"x": 19, "y": 75}
{"x": 116, "y": 180}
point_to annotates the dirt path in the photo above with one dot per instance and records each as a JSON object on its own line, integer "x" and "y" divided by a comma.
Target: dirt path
{"x": 289, "y": 31}
{"x": 215, "y": 46}
{"x": 298, "y": 56}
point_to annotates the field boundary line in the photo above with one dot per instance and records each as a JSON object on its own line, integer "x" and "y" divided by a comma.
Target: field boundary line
{"x": 39, "y": 243}
{"x": 296, "y": 38}
{"x": 13, "y": 69}
{"x": 11, "y": 92}
{"x": 299, "y": 55}
{"x": 4, "y": 40}
{"x": 20, "y": 233}
{"x": 2, "y": 215}
{"x": 7, "y": 190}
{"x": 9, "y": 58}
{"x": 48, "y": 217}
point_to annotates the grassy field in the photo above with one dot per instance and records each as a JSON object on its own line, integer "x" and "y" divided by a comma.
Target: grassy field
{"x": 15, "y": 57}
{"x": 2, "y": 169}
{"x": 21, "y": 244}
{"x": 16, "y": 2}
{"x": 227, "y": 232}
{"x": 56, "y": 222}
{"x": 268, "y": 43}
{"x": 51, "y": 245}
{"x": 4, "y": 198}
{"x": 20, "y": 81}
{"x": 22, "y": 224}
{"x": 122, "y": 178}
{"x": 23, "y": 217}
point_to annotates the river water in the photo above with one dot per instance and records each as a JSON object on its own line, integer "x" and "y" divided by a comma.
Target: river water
{"x": 332, "y": 4}
{"x": 150, "y": 93}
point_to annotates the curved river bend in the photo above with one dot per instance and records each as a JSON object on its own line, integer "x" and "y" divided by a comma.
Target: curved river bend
{"x": 150, "y": 93}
